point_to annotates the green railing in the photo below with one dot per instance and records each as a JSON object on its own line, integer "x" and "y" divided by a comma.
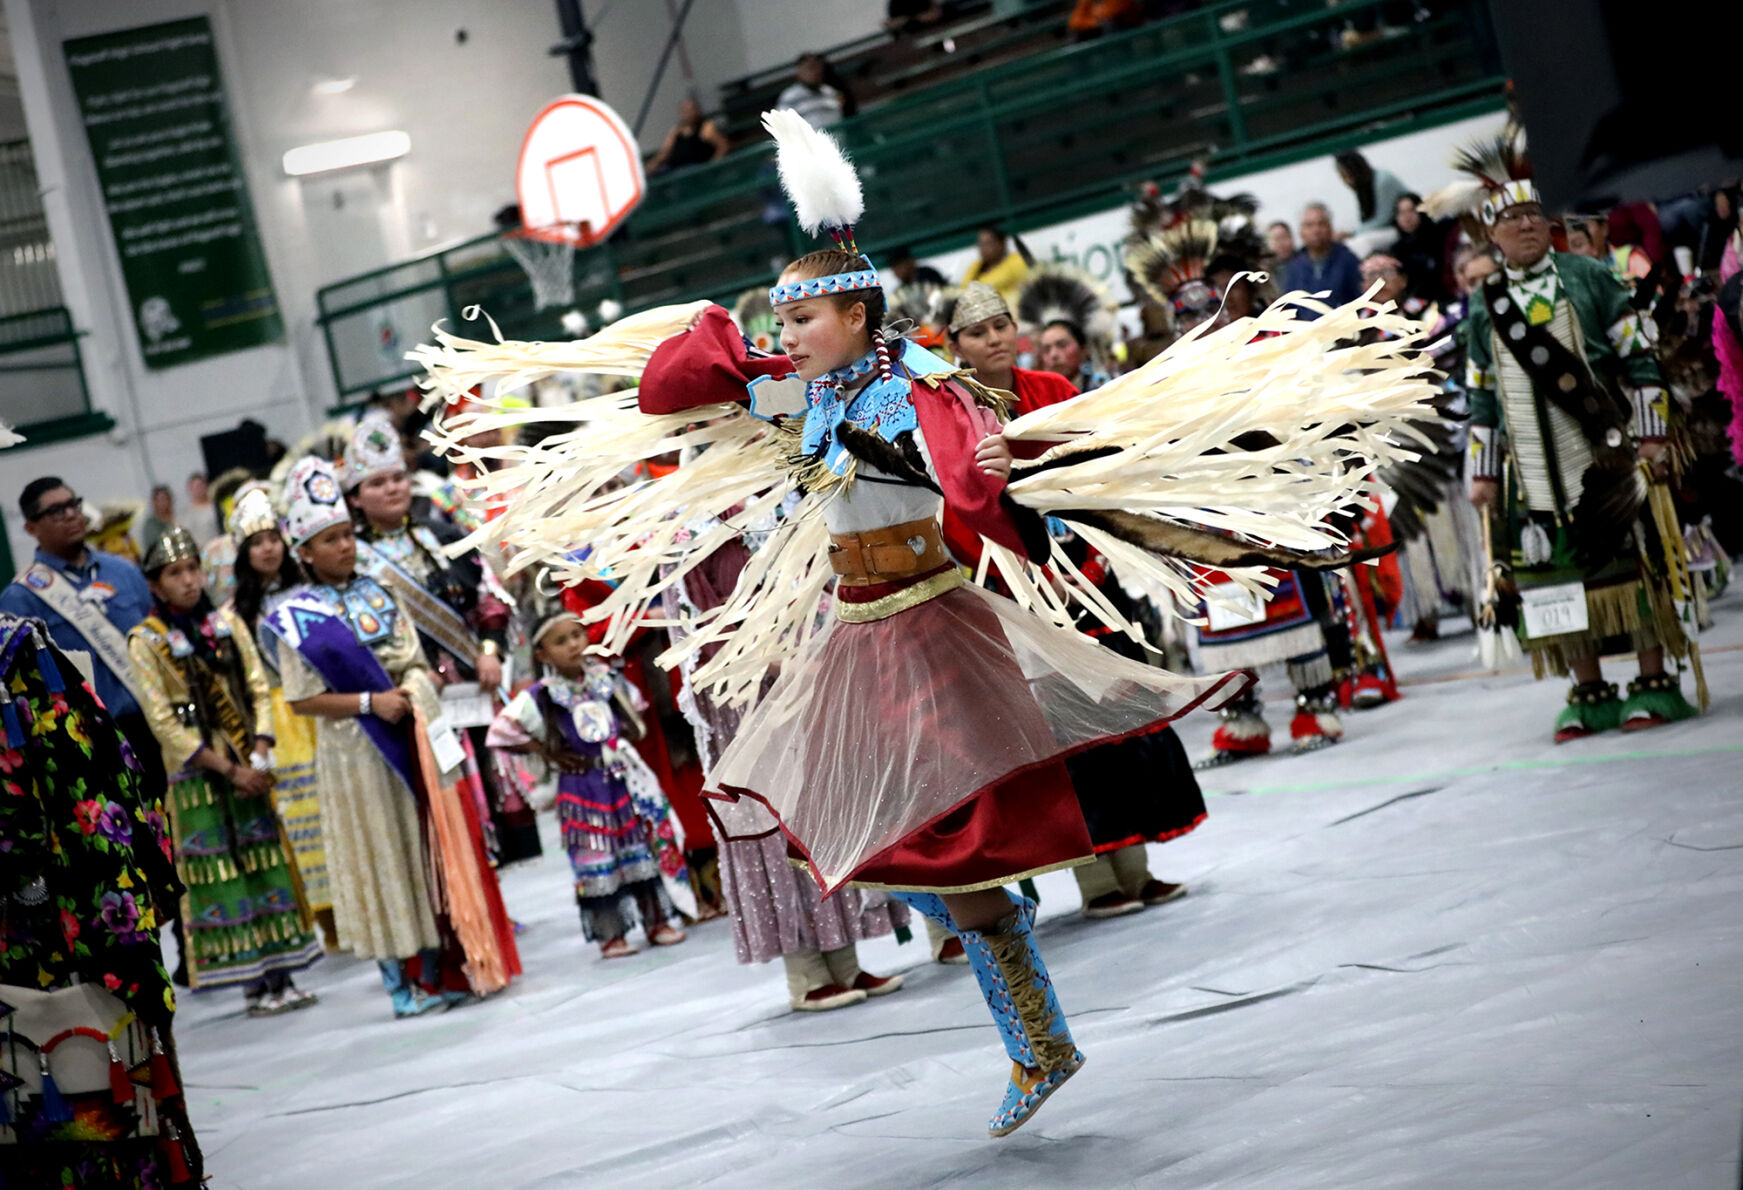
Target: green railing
{"x": 1042, "y": 140}
{"x": 42, "y": 378}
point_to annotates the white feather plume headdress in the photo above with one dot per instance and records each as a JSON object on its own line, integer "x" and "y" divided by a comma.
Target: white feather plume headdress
{"x": 816, "y": 174}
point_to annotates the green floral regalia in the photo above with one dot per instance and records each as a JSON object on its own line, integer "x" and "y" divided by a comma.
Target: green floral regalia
{"x": 202, "y": 685}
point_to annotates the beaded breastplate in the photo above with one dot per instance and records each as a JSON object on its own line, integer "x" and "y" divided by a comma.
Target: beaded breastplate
{"x": 367, "y": 608}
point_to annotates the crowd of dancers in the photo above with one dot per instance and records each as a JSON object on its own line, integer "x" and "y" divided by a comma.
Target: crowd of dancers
{"x": 820, "y": 614}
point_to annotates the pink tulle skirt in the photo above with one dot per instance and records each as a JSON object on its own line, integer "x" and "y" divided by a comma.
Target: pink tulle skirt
{"x": 886, "y": 730}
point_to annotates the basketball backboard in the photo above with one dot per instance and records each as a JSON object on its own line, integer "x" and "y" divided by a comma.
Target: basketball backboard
{"x": 580, "y": 171}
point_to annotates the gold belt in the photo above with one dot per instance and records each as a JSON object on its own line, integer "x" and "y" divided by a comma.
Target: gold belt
{"x": 892, "y": 552}
{"x": 900, "y": 601}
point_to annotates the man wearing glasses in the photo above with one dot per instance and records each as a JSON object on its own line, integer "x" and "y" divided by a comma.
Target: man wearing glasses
{"x": 89, "y": 600}
{"x": 1570, "y": 419}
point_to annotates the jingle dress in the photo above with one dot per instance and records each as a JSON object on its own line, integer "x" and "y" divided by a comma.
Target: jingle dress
{"x": 617, "y": 828}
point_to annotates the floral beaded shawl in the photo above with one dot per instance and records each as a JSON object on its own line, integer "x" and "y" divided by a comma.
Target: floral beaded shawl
{"x": 86, "y": 875}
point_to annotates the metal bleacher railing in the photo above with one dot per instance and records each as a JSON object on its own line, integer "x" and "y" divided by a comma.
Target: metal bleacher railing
{"x": 42, "y": 376}
{"x": 1244, "y": 86}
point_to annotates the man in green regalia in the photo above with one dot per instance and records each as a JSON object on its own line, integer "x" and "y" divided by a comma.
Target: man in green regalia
{"x": 1560, "y": 371}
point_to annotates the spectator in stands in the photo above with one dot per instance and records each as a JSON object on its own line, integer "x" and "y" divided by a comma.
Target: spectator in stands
{"x": 1589, "y": 235}
{"x": 201, "y": 515}
{"x": 1323, "y": 263}
{"x": 909, "y": 271}
{"x": 997, "y": 265}
{"x": 1421, "y": 247}
{"x": 1092, "y": 18}
{"x": 1280, "y": 242}
{"x": 812, "y": 96}
{"x": 1377, "y": 193}
{"x": 912, "y": 16}
{"x": 693, "y": 140}
{"x": 1063, "y": 349}
{"x": 161, "y": 520}
{"x": 1472, "y": 266}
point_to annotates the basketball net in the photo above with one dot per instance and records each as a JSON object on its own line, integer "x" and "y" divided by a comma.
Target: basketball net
{"x": 547, "y": 256}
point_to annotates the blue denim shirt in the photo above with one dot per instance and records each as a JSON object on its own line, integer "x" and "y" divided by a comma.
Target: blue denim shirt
{"x": 130, "y": 604}
{"x": 1340, "y": 272}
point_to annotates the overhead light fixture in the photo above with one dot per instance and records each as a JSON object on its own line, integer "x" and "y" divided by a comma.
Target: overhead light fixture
{"x": 335, "y": 86}
{"x": 347, "y": 153}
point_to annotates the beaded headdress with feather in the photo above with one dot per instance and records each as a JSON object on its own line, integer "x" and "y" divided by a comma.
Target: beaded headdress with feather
{"x": 824, "y": 189}
{"x": 1499, "y": 172}
{"x": 1060, "y": 293}
{"x": 1176, "y": 243}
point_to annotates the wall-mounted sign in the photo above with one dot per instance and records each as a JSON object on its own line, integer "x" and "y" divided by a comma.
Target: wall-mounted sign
{"x": 152, "y": 100}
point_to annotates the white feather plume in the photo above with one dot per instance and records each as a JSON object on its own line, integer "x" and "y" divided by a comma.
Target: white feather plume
{"x": 819, "y": 179}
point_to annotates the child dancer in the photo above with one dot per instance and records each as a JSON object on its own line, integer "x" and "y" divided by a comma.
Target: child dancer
{"x": 622, "y": 843}
{"x": 917, "y": 742}
{"x": 350, "y": 658}
{"x": 204, "y": 692}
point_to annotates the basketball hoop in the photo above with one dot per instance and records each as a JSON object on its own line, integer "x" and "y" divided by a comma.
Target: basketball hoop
{"x": 547, "y": 256}
{"x": 578, "y": 177}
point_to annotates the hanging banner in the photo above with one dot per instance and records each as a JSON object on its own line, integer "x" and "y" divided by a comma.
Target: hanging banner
{"x": 153, "y": 105}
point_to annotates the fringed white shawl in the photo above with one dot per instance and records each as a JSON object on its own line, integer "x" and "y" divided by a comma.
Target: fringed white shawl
{"x": 1336, "y": 411}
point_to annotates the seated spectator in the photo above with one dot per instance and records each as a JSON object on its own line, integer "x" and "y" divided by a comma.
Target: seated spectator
{"x": 1589, "y": 235}
{"x": 912, "y": 16}
{"x": 1394, "y": 282}
{"x": 1377, "y": 193}
{"x": 1637, "y": 223}
{"x": 1323, "y": 264}
{"x": 997, "y": 265}
{"x": 1421, "y": 248}
{"x": 819, "y": 103}
{"x": 909, "y": 271}
{"x": 201, "y": 516}
{"x": 1092, "y": 18}
{"x": 1280, "y": 240}
{"x": 161, "y": 520}
{"x": 1471, "y": 267}
{"x": 693, "y": 140}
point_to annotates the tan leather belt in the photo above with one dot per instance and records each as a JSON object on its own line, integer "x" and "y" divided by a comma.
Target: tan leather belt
{"x": 893, "y": 552}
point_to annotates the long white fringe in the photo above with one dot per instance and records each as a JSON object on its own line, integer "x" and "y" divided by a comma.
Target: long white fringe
{"x": 569, "y": 503}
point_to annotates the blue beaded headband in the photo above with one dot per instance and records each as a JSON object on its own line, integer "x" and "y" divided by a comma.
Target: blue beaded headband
{"x": 812, "y": 287}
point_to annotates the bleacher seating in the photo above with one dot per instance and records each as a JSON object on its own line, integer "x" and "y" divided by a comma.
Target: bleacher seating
{"x": 1243, "y": 85}
{"x": 881, "y": 67}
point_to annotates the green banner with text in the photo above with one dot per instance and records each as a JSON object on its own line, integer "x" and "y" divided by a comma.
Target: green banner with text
{"x": 153, "y": 105}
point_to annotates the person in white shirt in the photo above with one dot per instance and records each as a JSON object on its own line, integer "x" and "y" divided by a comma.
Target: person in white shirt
{"x": 815, "y": 100}
{"x": 201, "y": 516}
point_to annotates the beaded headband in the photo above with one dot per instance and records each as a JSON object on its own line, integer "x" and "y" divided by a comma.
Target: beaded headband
{"x": 1508, "y": 194}
{"x": 812, "y": 287}
{"x": 551, "y": 621}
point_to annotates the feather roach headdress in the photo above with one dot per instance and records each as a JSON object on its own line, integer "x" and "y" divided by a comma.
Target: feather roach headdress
{"x": 1499, "y": 177}
{"x": 1059, "y": 293}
